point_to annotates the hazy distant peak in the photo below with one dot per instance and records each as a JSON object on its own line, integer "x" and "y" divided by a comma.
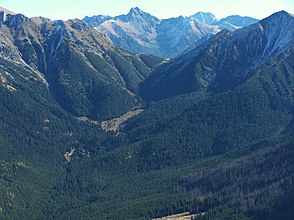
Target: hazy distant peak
{"x": 234, "y": 22}
{"x": 136, "y": 10}
{"x": 205, "y": 17}
{"x": 138, "y": 16}
{"x": 97, "y": 19}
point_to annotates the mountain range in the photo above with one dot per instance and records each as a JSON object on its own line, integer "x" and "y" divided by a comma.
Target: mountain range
{"x": 140, "y": 32}
{"x": 212, "y": 135}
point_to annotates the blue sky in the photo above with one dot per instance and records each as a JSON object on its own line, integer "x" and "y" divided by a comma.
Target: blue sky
{"x": 66, "y": 9}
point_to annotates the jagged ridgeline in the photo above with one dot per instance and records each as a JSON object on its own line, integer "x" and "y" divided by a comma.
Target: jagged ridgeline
{"x": 207, "y": 135}
{"x": 141, "y": 32}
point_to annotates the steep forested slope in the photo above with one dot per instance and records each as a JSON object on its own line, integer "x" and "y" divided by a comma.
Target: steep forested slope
{"x": 87, "y": 75}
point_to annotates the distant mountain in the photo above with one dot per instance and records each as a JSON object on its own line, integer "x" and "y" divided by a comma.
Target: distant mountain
{"x": 135, "y": 31}
{"x": 84, "y": 70}
{"x": 224, "y": 61}
{"x": 96, "y": 20}
{"x": 175, "y": 35}
{"x": 140, "y": 32}
{"x": 149, "y": 34}
{"x": 205, "y": 17}
{"x": 234, "y": 22}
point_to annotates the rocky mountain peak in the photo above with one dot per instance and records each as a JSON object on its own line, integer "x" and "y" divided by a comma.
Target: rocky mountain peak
{"x": 136, "y": 10}
{"x": 205, "y": 17}
{"x": 280, "y": 15}
{"x": 136, "y": 14}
